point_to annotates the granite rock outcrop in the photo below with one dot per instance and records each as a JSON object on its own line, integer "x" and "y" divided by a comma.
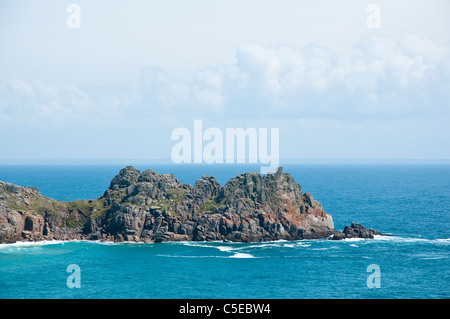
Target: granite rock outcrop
{"x": 151, "y": 207}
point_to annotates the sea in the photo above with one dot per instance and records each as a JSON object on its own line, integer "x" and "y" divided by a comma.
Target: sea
{"x": 411, "y": 202}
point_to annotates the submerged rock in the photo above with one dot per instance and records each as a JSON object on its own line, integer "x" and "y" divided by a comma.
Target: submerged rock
{"x": 152, "y": 207}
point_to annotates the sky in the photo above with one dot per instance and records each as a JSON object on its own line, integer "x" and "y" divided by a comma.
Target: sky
{"x": 338, "y": 79}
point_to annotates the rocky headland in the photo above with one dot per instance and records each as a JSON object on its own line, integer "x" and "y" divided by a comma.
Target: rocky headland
{"x": 151, "y": 207}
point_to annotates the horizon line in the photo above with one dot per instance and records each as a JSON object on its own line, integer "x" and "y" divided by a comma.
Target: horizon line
{"x": 167, "y": 161}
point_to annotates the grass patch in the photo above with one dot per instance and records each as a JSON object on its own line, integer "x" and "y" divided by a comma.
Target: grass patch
{"x": 213, "y": 203}
{"x": 90, "y": 208}
{"x": 177, "y": 194}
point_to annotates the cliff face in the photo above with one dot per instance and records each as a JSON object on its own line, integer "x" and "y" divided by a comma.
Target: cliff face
{"x": 152, "y": 207}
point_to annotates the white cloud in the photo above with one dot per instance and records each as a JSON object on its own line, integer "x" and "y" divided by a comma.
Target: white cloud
{"x": 175, "y": 94}
{"x": 34, "y": 102}
{"x": 21, "y": 88}
{"x": 378, "y": 78}
{"x": 158, "y": 92}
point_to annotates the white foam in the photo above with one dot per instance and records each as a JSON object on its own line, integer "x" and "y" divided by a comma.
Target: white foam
{"x": 354, "y": 239}
{"x": 242, "y": 255}
{"x": 303, "y": 244}
{"x": 206, "y": 244}
{"x": 224, "y": 248}
{"x": 184, "y": 256}
{"x": 25, "y": 244}
{"x": 395, "y": 239}
{"x": 443, "y": 241}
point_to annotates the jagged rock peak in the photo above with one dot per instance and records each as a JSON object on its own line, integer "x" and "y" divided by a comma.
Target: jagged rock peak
{"x": 127, "y": 176}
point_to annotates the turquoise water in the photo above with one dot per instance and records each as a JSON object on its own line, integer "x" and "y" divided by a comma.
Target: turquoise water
{"x": 412, "y": 202}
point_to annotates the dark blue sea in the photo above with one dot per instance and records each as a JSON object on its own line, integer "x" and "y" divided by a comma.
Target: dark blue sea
{"x": 411, "y": 202}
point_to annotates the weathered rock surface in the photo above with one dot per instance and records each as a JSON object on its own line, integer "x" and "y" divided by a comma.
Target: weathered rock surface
{"x": 152, "y": 207}
{"x": 356, "y": 231}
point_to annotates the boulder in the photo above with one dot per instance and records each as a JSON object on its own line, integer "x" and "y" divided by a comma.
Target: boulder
{"x": 356, "y": 230}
